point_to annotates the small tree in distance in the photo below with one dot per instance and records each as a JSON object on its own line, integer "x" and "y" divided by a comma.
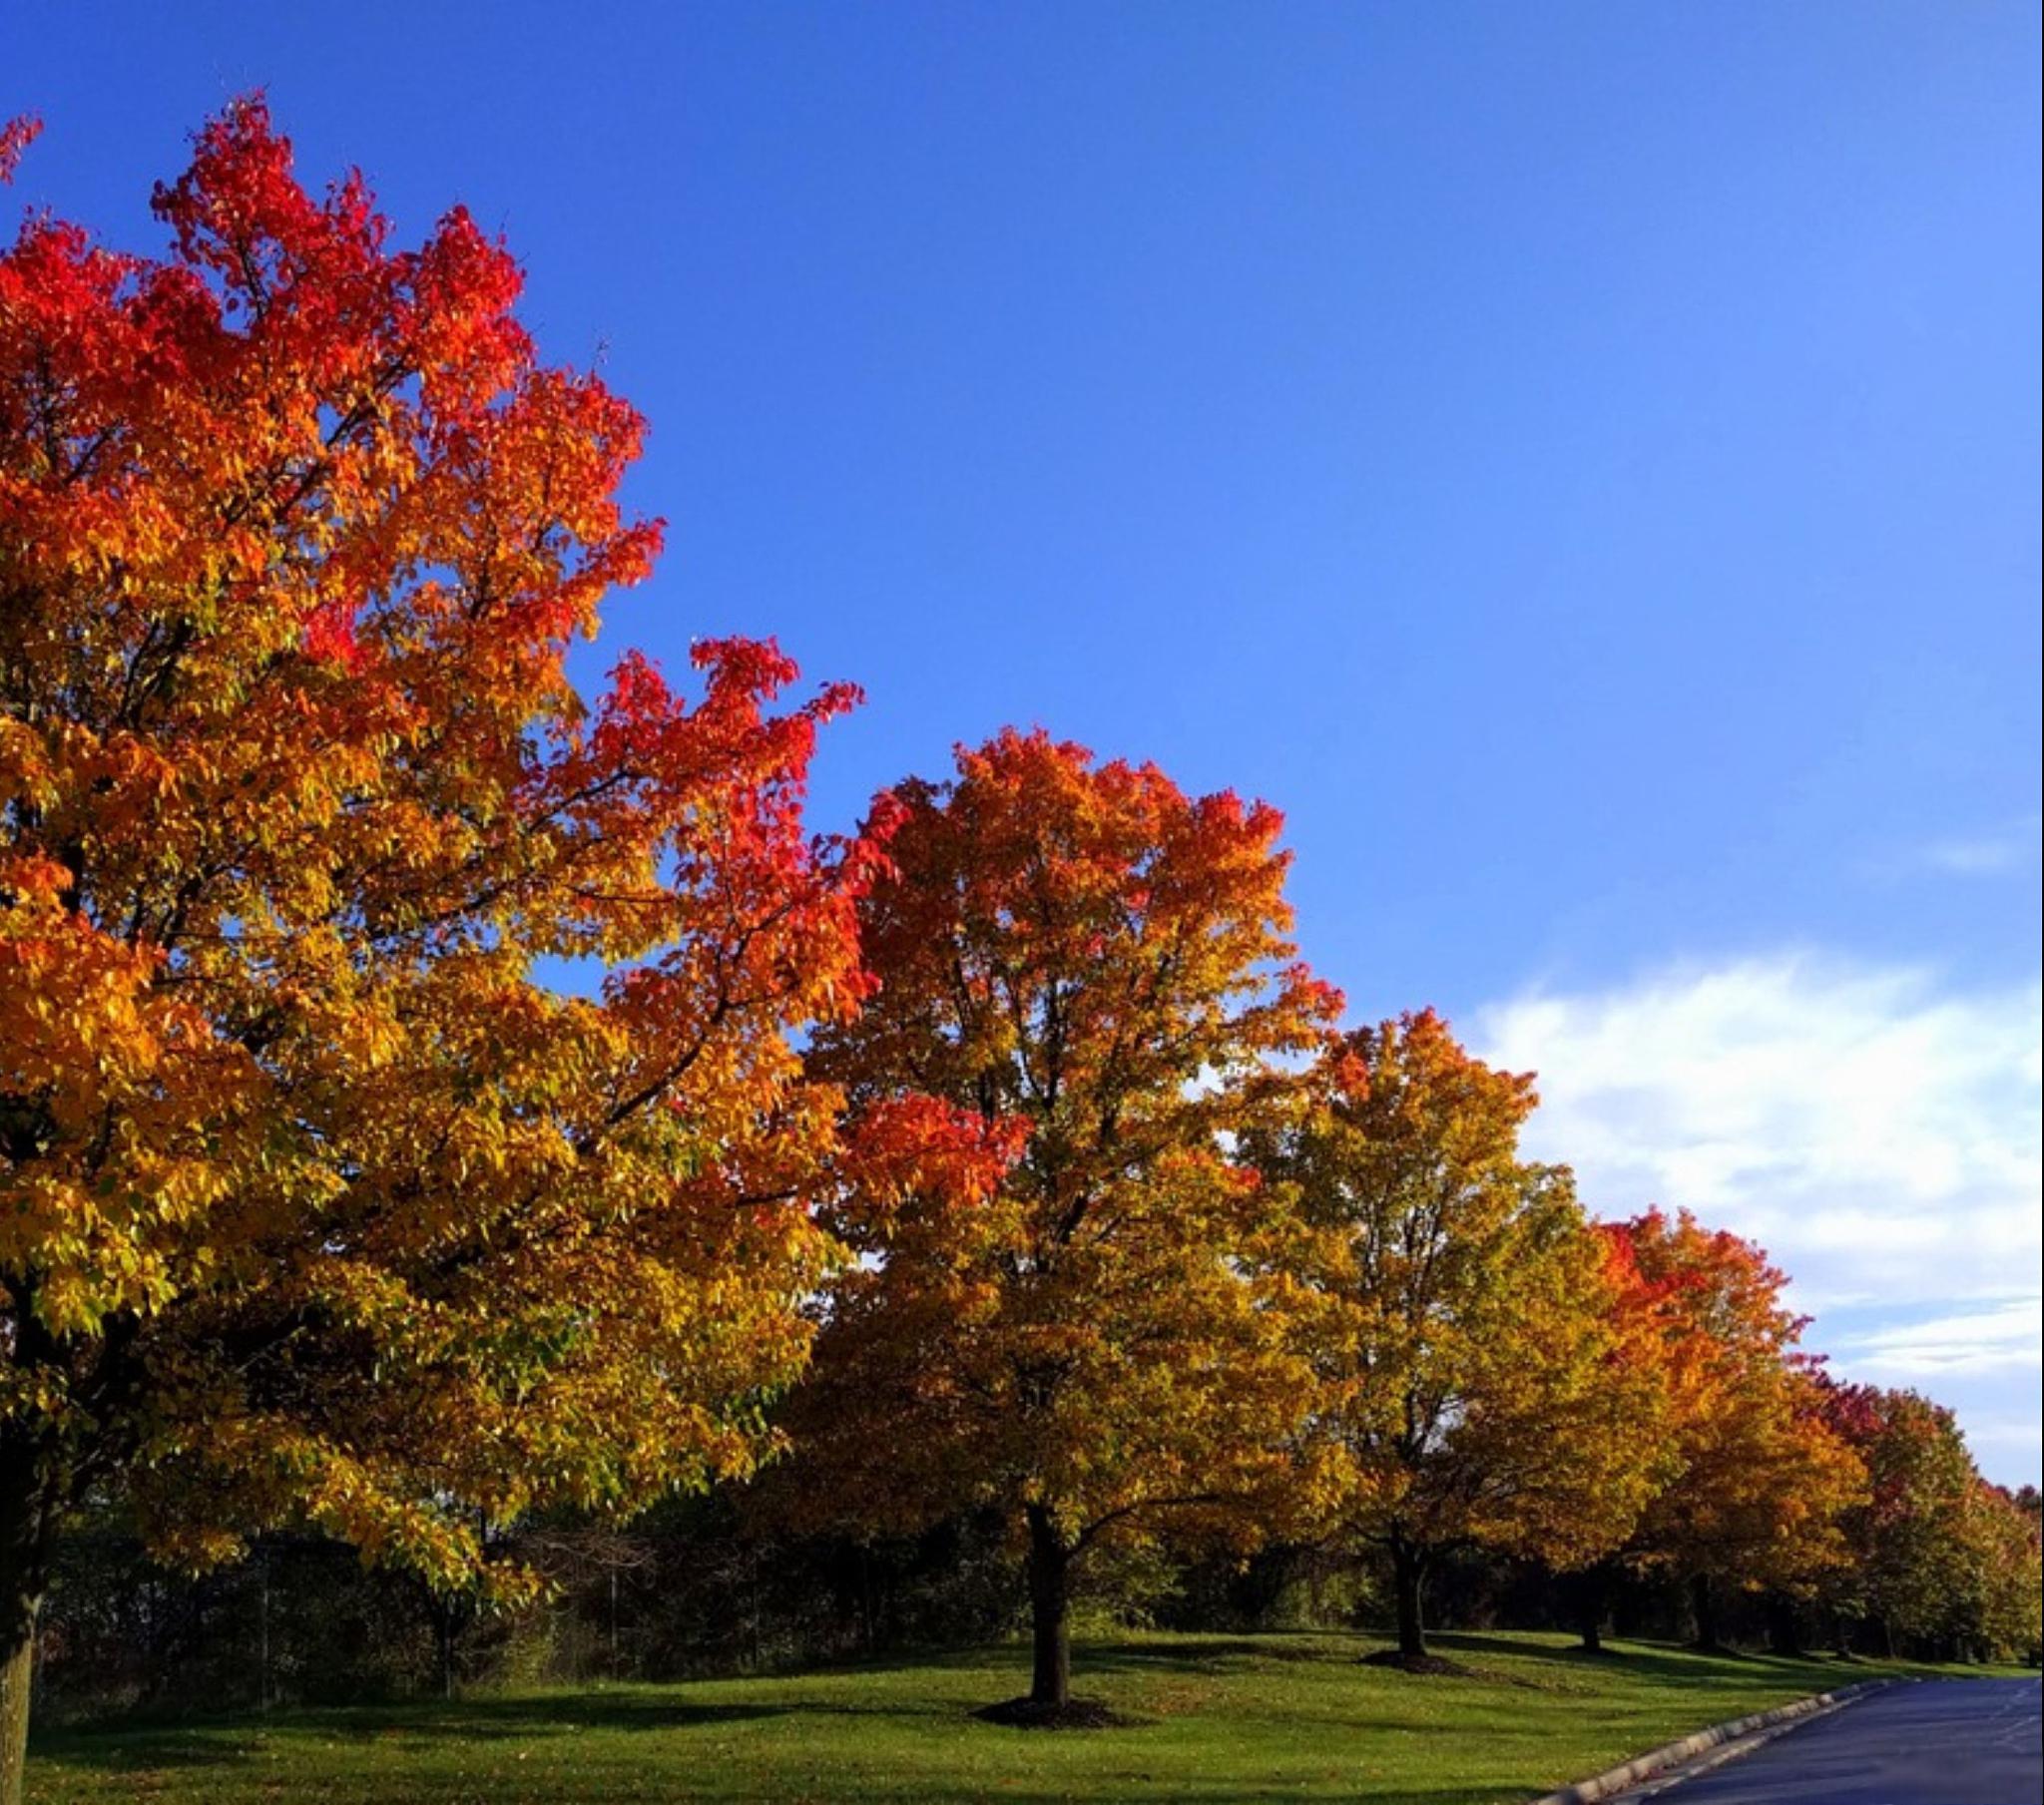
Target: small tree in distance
{"x": 1906, "y": 1538}
{"x": 1474, "y": 1385}
{"x": 1761, "y": 1480}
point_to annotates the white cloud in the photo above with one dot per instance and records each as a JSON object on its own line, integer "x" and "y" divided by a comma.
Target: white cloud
{"x": 1996, "y": 1338}
{"x": 1991, "y": 854}
{"x": 1975, "y": 858}
{"x": 1878, "y": 1133}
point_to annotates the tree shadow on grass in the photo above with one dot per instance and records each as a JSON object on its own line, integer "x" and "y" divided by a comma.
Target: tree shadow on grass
{"x": 1219, "y": 1653}
{"x": 135, "y": 1751}
{"x": 230, "y": 1742}
{"x": 1686, "y": 1667}
{"x": 540, "y": 1715}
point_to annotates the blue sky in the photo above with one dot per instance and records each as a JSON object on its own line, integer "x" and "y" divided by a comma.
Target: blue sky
{"x": 1580, "y": 461}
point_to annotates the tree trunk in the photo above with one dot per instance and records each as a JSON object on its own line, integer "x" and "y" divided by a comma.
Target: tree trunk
{"x": 1408, "y": 1580}
{"x": 869, "y": 1613}
{"x": 28, "y": 1494}
{"x": 1703, "y": 1597}
{"x": 443, "y": 1624}
{"x": 263, "y": 1636}
{"x": 17, "y": 1675}
{"x": 1591, "y": 1587}
{"x": 1784, "y": 1629}
{"x": 1050, "y": 1588}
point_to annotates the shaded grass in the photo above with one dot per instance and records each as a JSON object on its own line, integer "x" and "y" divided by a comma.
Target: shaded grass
{"x": 1218, "y": 1718}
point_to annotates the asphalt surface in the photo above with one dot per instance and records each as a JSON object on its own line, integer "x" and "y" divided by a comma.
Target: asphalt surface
{"x": 1938, "y": 1742}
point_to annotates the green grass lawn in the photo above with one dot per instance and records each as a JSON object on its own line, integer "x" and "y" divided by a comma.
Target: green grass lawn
{"x": 1226, "y": 1717}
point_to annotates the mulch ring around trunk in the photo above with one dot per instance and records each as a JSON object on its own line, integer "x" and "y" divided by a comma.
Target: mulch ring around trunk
{"x": 1073, "y": 1714}
{"x": 1439, "y": 1666}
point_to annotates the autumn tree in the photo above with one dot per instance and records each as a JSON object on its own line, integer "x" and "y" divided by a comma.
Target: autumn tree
{"x": 1937, "y": 1555}
{"x": 1998, "y": 1610}
{"x": 1474, "y": 1383}
{"x": 1095, "y": 963}
{"x": 1906, "y": 1540}
{"x": 1760, "y": 1478}
{"x": 314, "y": 1205}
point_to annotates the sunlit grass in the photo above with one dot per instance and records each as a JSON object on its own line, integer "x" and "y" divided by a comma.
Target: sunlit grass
{"x": 1225, "y": 1719}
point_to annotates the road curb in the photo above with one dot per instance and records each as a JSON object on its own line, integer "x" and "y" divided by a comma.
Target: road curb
{"x": 1657, "y": 1760}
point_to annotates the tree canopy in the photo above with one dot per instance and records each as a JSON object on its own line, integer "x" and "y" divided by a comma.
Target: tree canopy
{"x": 317, "y": 1203}
{"x": 1098, "y": 964}
{"x": 1475, "y": 1383}
{"x": 1760, "y": 1479}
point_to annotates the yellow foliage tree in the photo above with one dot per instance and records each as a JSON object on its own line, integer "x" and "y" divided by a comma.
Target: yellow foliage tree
{"x": 1475, "y": 1383}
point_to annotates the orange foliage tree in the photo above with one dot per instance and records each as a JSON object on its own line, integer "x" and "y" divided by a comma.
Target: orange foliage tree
{"x": 1761, "y": 1480}
{"x": 1474, "y": 1383}
{"x": 313, "y": 1204}
{"x": 1094, "y": 964}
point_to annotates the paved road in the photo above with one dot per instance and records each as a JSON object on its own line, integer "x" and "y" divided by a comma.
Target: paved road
{"x": 1942, "y": 1743}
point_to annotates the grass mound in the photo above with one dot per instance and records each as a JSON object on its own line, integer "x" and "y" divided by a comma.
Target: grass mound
{"x": 1073, "y": 1714}
{"x": 1437, "y": 1664}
